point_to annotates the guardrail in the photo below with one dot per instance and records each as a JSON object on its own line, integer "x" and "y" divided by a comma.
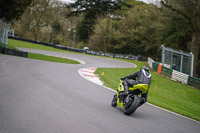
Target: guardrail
{"x": 4, "y": 50}
{"x": 174, "y": 75}
{"x": 98, "y": 53}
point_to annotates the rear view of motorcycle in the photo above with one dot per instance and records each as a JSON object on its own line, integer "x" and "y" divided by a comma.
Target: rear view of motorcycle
{"x": 129, "y": 103}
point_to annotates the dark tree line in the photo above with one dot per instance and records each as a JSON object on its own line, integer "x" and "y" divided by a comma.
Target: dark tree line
{"x": 12, "y": 9}
{"x": 91, "y": 9}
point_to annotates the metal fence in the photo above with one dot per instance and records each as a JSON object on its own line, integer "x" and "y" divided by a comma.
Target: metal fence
{"x": 4, "y": 29}
{"x": 174, "y": 75}
{"x": 178, "y": 60}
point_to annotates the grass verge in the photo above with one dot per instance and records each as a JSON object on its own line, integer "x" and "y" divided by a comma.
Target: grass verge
{"x": 23, "y": 44}
{"x": 51, "y": 58}
{"x": 15, "y": 43}
{"x": 8, "y": 46}
{"x": 163, "y": 92}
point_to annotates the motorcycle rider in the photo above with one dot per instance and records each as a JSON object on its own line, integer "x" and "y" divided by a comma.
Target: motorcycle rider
{"x": 143, "y": 76}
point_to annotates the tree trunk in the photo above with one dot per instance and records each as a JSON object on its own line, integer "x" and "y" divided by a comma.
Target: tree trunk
{"x": 195, "y": 49}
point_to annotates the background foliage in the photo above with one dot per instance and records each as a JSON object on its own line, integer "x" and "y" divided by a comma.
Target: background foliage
{"x": 117, "y": 26}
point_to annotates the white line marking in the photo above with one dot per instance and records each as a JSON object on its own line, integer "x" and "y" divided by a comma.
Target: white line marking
{"x": 79, "y": 71}
{"x": 173, "y": 113}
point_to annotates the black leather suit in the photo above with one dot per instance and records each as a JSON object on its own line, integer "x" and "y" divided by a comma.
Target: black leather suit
{"x": 143, "y": 76}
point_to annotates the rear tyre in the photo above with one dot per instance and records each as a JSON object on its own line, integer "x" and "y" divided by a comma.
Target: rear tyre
{"x": 114, "y": 101}
{"x": 131, "y": 107}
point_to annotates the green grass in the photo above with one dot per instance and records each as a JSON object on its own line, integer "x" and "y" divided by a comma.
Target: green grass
{"x": 8, "y": 46}
{"x": 22, "y": 44}
{"x": 163, "y": 92}
{"x": 51, "y": 58}
{"x": 15, "y": 43}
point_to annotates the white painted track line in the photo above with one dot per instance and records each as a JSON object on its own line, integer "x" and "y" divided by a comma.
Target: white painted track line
{"x": 88, "y": 73}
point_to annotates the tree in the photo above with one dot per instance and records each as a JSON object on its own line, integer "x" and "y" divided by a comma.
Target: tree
{"x": 190, "y": 10}
{"x": 56, "y": 29}
{"x": 103, "y": 35}
{"x": 174, "y": 30}
{"x": 137, "y": 32}
{"x": 34, "y": 19}
{"x": 13, "y": 9}
{"x": 91, "y": 10}
{"x": 44, "y": 21}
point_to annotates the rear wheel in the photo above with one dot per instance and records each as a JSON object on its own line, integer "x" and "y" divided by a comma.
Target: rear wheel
{"x": 132, "y": 106}
{"x": 114, "y": 101}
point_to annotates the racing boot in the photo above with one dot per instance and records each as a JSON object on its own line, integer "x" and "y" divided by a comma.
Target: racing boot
{"x": 125, "y": 84}
{"x": 126, "y": 90}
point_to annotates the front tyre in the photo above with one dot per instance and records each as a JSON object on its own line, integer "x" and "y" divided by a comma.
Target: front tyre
{"x": 114, "y": 101}
{"x": 130, "y": 108}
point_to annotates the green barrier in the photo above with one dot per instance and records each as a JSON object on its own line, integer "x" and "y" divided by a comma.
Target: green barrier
{"x": 167, "y": 71}
{"x": 194, "y": 82}
{"x": 155, "y": 66}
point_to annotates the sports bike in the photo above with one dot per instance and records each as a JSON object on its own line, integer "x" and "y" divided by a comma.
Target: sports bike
{"x": 129, "y": 103}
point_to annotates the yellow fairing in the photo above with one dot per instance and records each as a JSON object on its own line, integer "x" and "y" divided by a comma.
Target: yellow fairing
{"x": 121, "y": 104}
{"x": 120, "y": 88}
{"x": 142, "y": 87}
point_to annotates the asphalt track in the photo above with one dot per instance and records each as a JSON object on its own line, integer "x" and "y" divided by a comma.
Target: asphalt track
{"x": 46, "y": 97}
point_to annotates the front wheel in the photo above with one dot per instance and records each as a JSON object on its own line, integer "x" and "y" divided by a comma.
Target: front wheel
{"x": 130, "y": 108}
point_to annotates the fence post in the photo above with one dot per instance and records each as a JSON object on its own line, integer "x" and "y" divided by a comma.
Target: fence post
{"x": 192, "y": 64}
{"x": 163, "y": 55}
{"x": 181, "y": 67}
{"x": 6, "y": 41}
{"x": 171, "y": 65}
{"x": 4, "y": 28}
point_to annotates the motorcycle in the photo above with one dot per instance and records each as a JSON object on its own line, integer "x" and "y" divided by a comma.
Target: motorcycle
{"x": 129, "y": 103}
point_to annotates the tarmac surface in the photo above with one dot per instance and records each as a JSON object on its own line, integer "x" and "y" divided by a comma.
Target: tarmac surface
{"x": 47, "y": 97}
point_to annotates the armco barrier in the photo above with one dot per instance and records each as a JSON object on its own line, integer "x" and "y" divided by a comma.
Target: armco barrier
{"x": 4, "y": 50}
{"x": 179, "y": 77}
{"x": 1, "y": 49}
{"x": 150, "y": 62}
{"x": 155, "y": 66}
{"x": 194, "y": 82}
{"x": 99, "y": 53}
{"x": 167, "y": 72}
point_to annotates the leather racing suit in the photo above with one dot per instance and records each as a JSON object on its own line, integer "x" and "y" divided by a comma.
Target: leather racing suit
{"x": 143, "y": 76}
